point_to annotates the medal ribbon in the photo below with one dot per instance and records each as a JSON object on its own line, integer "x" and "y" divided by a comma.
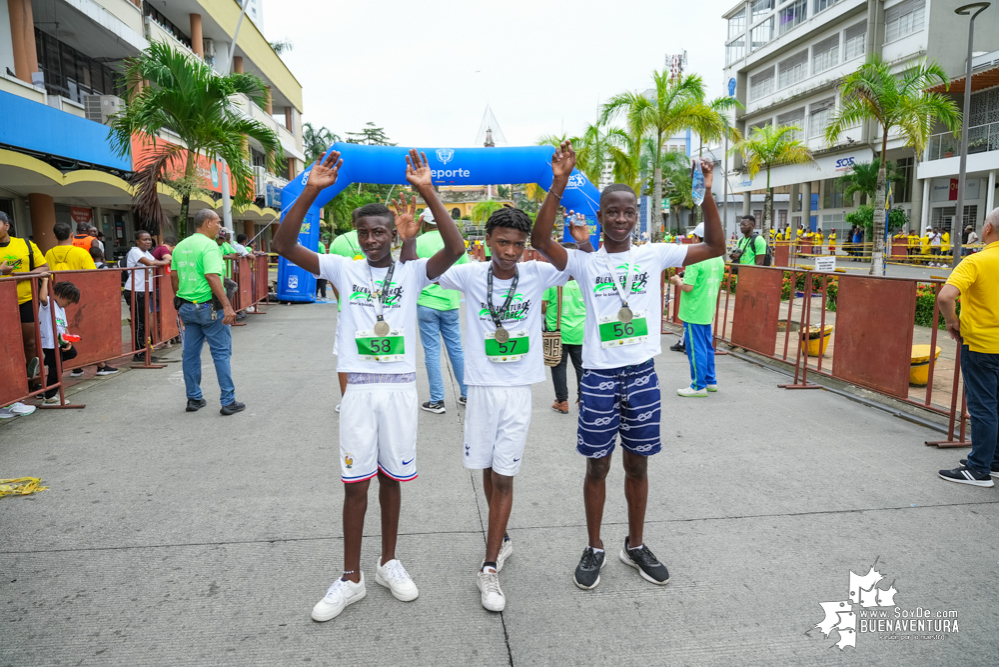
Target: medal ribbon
{"x": 379, "y": 295}
{"x": 498, "y": 315}
{"x": 622, "y": 291}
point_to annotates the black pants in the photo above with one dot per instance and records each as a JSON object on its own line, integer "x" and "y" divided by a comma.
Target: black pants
{"x": 321, "y": 287}
{"x": 139, "y": 317}
{"x": 52, "y": 375}
{"x": 559, "y": 373}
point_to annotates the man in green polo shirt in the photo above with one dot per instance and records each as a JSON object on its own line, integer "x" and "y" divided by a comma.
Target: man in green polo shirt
{"x": 196, "y": 275}
{"x": 700, "y": 285}
{"x": 572, "y": 326}
{"x": 751, "y": 248}
{"x": 437, "y": 312}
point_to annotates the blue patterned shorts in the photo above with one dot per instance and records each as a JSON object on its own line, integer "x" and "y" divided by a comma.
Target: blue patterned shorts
{"x": 622, "y": 400}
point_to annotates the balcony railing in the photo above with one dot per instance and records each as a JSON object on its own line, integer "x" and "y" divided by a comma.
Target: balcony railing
{"x": 981, "y": 138}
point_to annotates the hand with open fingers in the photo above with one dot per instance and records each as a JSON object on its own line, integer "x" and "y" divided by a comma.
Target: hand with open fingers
{"x": 580, "y": 231}
{"x": 708, "y": 169}
{"x": 418, "y": 170}
{"x": 564, "y": 160}
{"x": 405, "y": 217}
{"x": 325, "y": 171}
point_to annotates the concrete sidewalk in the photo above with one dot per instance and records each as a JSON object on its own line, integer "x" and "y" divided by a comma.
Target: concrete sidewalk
{"x": 169, "y": 538}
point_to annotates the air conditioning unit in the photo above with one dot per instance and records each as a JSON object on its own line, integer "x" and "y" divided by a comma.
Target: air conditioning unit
{"x": 100, "y": 108}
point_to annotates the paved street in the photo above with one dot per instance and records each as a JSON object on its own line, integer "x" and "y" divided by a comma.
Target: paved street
{"x": 168, "y": 538}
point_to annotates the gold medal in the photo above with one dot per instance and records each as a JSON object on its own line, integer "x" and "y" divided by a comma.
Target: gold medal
{"x": 502, "y": 335}
{"x": 625, "y": 315}
{"x": 381, "y": 328}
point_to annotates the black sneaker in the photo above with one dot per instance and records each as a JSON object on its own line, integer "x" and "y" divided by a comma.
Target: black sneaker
{"x": 232, "y": 408}
{"x": 107, "y": 370}
{"x": 78, "y": 373}
{"x": 588, "y": 571}
{"x": 678, "y": 347}
{"x": 195, "y": 404}
{"x": 436, "y": 408}
{"x": 643, "y": 560}
{"x": 965, "y": 475}
{"x": 462, "y": 400}
{"x": 995, "y": 467}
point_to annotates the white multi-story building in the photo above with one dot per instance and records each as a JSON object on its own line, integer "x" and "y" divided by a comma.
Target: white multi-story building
{"x": 787, "y": 59}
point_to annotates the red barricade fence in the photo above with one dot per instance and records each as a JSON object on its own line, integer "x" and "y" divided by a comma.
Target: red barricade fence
{"x": 105, "y": 322}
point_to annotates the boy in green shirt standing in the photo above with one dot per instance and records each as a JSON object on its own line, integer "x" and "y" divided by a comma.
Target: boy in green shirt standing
{"x": 572, "y": 325}
{"x": 700, "y": 285}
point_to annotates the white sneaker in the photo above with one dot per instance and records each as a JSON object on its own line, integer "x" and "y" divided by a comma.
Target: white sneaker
{"x": 690, "y": 392}
{"x": 337, "y": 408}
{"x": 21, "y": 409}
{"x": 712, "y": 387}
{"x": 506, "y": 550}
{"x": 393, "y": 576}
{"x": 492, "y": 595}
{"x": 54, "y": 401}
{"x": 339, "y": 595}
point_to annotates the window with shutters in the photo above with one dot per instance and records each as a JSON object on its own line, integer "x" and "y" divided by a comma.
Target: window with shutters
{"x": 758, "y": 214}
{"x": 944, "y": 216}
{"x": 761, "y": 84}
{"x": 854, "y": 41}
{"x": 793, "y": 15}
{"x": 782, "y": 218}
{"x": 762, "y": 34}
{"x": 792, "y": 70}
{"x": 825, "y": 54}
{"x": 819, "y": 115}
{"x": 796, "y": 119}
{"x": 904, "y": 19}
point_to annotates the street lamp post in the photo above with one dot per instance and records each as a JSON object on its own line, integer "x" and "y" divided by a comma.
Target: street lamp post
{"x": 958, "y": 225}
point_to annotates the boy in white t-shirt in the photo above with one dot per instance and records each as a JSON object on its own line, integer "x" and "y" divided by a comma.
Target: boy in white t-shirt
{"x": 621, "y": 290}
{"x": 65, "y": 293}
{"x": 503, "y": 358}
{"x": 377, "y": 329}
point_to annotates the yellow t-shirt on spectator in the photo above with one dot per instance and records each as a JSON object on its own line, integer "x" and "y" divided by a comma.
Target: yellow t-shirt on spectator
{"x": 977, "y": 276}
{"x": 70, "y": 256}
{"x": 17, "y": 255}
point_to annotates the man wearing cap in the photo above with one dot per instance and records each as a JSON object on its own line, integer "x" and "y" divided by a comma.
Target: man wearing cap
{"x": 699, "y": 288}
{"x": 437, "y": 310}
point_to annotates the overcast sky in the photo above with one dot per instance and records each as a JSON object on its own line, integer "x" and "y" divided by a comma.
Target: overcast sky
{"x": 425, "y": 71}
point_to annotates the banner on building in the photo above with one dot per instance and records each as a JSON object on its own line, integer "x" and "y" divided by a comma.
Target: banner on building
{"x": 81, "y": 216}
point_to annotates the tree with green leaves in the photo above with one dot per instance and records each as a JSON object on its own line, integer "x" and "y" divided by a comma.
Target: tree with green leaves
{"x": 597, "y": 146}
{"x": 170, "y": 90}
{"x": 899, "y": 104}
{"x": 369, "y": 136}
{"x": 768, "y": 147}
{"x": 863, "y": 178}
{"x": 484, "y": 209}
{"x": 676, "y": 105}
{"x": 677, "y": 186}
{"x": 316, "y": 142}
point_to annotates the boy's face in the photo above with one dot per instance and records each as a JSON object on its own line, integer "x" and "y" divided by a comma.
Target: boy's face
{"x": 507, "y": 246}
{"x": 375, "y": 235}
{"x": 617, "y": 215}
{"x": 63, "y": 303}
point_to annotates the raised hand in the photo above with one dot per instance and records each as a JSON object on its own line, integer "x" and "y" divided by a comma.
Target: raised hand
{"x": 563, "y": 160}
{"x": 325, "y": 171}
{"x": 418, "y": 170}
{"x": 708, "y": 169}
{"x": 405, "y": 217}
{"x": 579, "y": 230}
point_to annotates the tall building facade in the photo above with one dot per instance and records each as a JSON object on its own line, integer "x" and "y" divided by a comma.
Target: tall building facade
{"x": 60, "y": 67}
{"x": 786, "y": 60}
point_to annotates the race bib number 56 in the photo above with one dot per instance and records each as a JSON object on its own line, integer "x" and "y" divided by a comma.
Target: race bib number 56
{"x": 614, "y": 332}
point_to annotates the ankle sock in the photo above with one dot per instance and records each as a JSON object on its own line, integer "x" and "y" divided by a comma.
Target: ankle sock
{"x": 489, "y": 564}
{"x": 630, "y": 548}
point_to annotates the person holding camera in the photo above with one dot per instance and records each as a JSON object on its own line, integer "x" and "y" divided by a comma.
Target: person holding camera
{"x": 197, "y": 270}
{"x": 751, "y": 248}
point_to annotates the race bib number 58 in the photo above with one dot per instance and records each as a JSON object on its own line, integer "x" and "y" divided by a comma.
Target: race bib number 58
{"x": 381, "y": 348}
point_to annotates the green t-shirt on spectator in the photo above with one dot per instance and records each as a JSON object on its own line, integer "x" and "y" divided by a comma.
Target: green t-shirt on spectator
{"x": 758, "y": 249}
{"x": 434, "y": 296}
{"x": 346, "y": 245}
{"x": 321, "y": 249}
{"x": 573, "y": 312}
{"x": 698, "y": 305}
{"x": 226, "y": 249}
{"x": 192, "y": 259}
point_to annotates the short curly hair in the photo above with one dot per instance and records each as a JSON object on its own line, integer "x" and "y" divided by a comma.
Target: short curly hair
{"x": 374, "y": 211}
{"x": 513, "y": 218}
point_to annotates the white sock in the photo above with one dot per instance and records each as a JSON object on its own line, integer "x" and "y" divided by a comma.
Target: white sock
{"x": 597, "y": 551}
{"x": 635, "y": 548}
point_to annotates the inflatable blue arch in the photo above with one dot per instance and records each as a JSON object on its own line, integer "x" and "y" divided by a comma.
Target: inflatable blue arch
{"x": 451, "y": 166}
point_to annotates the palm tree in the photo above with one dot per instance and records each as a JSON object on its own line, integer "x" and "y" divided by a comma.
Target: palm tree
{"x": 677, "y": 186}
{"x": 168, "y": 90}
{"x": 864, "y": 179}
{"x": 898, "y": 103}
{"x": 676, "y": 105}
{"x": 484, "y": 209}
{"x": 767, "y": 147}
{"x": 316, "y": 142}
{"x": 597, "y": 146}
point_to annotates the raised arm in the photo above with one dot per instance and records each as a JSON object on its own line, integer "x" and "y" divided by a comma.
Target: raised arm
{"x": 323, "y": 175}
{"x": 714, "y": 236}
{"x": 419, "y": 176}
{"x": 563, "y": 162}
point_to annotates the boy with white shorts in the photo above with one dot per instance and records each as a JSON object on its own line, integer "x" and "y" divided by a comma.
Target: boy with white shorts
{"x": 503, "y": 358}
{"x": 376, "y": 349}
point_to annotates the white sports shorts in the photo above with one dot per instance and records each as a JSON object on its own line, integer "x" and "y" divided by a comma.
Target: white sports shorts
{"x": 378, "y": 431}
{"x": 496, "y": 423}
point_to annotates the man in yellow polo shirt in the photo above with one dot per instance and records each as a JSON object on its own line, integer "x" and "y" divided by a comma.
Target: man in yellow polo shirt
{"x": 976, "y": 282}
{"x": 64, "y": 256}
